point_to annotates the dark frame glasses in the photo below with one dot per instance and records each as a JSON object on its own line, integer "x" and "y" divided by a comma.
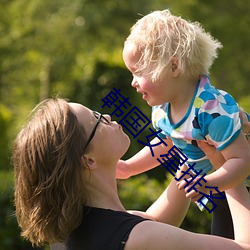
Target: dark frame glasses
{"x": 100, "y": 118}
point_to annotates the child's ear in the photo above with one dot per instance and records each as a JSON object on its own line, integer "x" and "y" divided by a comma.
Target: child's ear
{"x": 175, "y": 66}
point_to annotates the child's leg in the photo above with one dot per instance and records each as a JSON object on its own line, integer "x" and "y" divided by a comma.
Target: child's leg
{"x": 222, "y": 224}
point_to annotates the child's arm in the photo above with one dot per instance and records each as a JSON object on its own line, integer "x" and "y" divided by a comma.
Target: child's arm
{"x": 143, "y": 160}
{"x": 236, "y": 168}
{"x": 215, "y": 156}
{"x": 234, "y": 171}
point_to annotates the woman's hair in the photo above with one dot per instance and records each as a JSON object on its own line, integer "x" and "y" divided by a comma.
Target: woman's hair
{"x": 160, "y": 36}
{"x": 49, "y": 182}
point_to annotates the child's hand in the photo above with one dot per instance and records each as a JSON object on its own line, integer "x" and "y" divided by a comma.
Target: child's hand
{"x": 245, "y": 122}
{"x": 189, "y": 190}
{"x": 122, "y": 170}
{"x": 184, "y": 184}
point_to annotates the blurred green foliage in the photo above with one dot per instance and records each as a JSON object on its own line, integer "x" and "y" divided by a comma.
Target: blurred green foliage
{"x": 139, "y": 192}
{"x": 9, "y": 231}
{"x": 72, "y": 48}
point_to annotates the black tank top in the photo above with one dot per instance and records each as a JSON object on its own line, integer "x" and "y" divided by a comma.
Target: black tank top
{"x": 102, "y": 229}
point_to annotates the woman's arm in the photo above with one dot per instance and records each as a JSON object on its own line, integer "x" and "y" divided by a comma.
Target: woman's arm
{"x": 159, "y": 236}
{"x": 239, "y": 203}
{"x": 171, "y": 207}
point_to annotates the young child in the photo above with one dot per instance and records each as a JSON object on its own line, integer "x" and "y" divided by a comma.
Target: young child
{"x": 170, "y": 59}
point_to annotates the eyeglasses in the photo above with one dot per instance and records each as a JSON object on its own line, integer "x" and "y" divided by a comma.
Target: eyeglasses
{"x": 100, "y": 118}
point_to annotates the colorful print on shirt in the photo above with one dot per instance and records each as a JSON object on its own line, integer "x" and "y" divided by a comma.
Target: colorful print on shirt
{"x": 213, "y": 115}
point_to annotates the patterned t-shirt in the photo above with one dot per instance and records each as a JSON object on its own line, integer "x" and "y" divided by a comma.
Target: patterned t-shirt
{"x": 213, "y": 115}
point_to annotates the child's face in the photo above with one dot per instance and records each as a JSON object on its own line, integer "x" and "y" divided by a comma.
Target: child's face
{"x": 152, "y": 92}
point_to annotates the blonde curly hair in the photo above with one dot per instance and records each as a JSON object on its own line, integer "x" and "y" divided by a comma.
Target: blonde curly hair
{"x": 49, "y": 181}
{"x": 160, "y": 36}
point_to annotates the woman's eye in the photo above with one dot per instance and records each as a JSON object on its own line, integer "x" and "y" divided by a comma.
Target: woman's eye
{"x": 106, "y": 122}
{"x": 109, "y": 123}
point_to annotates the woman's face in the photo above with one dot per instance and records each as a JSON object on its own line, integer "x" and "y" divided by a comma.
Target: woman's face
{"x": 109, "y": 140}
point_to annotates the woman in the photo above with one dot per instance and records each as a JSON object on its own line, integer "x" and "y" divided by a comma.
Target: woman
{"x": 65, "y": 189}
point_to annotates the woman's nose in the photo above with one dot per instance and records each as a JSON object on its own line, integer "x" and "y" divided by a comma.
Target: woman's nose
{"x": 108, "y": 117}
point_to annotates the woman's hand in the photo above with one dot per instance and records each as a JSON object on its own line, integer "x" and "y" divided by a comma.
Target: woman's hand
{"x": 214, "y": 156}
{"x": 245, "y": 124}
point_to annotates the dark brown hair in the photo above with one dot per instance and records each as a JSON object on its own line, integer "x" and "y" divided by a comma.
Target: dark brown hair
{"x": 49, "y": 182}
